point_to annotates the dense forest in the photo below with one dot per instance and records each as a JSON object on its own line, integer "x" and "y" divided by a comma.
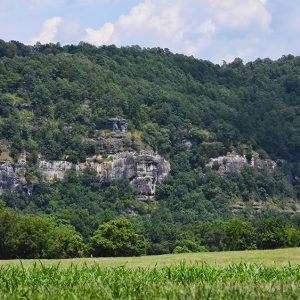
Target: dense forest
{"x": 53, "y": 98}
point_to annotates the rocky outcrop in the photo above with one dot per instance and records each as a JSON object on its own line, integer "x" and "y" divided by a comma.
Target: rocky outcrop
{"x": 117, "y": 142}
{"x": 225, "y": 165}
{"x": 239, "y": 207}
{"x": 12, "y": 177}
{"x": 9, "y": 180}
{"x": 145, "y": 171}
{"x": 55, "y": 169}
{"x": 262, "y": 164}
{"x": 231, "y": 163}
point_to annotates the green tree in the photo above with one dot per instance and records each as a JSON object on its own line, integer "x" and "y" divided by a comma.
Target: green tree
{"x": 116, "y": 238}
{"x": 64, "y": 242}
{"x": 239, "y": 235}
{"x": 36, "y": 237}
{"x": 276, "y": 233}
{"x": 156, "y": 137}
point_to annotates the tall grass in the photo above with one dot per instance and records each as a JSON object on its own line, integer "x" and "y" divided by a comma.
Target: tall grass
{"x": 198, "y": 281}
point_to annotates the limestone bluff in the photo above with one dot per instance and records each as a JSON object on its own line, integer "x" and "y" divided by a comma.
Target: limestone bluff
{"x": 145, "y": 170}
{"x": 232, "y": 163}
{"x": 122, "y": 155}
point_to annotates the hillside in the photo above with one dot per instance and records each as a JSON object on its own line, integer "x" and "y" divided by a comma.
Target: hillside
{"x": 201, "y": 144}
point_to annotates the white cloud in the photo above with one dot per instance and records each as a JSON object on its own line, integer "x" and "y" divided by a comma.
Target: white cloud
{"x": 49, "y": 31}
{"x": 151, "y": 22}
{"x": 187, "y": 26}
{"x": 208, "y": 27}
{"x": 161, "y": 17}
{"x": 241, "y": 13}
{"x": 102, "y": 36}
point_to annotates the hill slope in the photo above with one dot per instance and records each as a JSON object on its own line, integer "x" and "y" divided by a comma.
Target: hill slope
{"x": 56, "y": 101}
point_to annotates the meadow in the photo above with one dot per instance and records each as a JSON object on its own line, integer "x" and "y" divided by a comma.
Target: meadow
{"x": 271, "y": 274}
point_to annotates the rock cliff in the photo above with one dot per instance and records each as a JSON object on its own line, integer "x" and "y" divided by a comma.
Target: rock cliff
{"x": 9, "y": 180}
{"x": 145, "y": 171}
{"x": 231, "y": 163}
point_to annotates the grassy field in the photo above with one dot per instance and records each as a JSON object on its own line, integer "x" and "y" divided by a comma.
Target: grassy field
{"x": 278, "y": 257}
{"x": 273, "y": 274}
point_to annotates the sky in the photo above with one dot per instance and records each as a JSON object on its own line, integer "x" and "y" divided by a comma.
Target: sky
{"x": 217, "y": 30}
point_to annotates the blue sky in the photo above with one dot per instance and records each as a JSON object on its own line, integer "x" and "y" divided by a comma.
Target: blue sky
{"x": 210, "y": 29}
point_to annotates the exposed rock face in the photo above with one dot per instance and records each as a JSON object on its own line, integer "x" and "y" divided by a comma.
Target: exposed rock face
{"x": 55, "y": 169}
{"x": 260, "y": 164}
{"x": 145, "y": 171}
{"x": 189, "y": 143}
{"x": 9, "y": 181}
{"x": 118, "y": 125}
{"x": 241, "y": 206}
{"x": 12, "y": 177}
{"x": 114, "y": 143}
{"x": 225, "y": 165}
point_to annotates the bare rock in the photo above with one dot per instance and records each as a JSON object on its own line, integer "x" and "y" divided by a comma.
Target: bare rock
{"x": 225, "y": 165}
{"x": 117, "y": 142}
{"x": 11, "y": 180}
{"x": 55, "y": 169}
{"x": 260, "y": 164}
{"x": 145, "y": 170}
{"x": 232, "y": 163}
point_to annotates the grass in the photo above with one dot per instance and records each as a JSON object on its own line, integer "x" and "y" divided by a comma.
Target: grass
{"x": 182, "y": 281}
{"x": 269, "y": 274}
{"x": 278, "y": 257}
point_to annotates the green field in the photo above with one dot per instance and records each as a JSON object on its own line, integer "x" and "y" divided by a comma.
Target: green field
{"x": 276, "y": 257}
{"x": 270, "y": 274}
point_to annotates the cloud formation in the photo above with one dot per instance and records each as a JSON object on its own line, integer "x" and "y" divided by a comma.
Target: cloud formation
{"x": 49, "y": 31}
{"x": 187, "y": 26}
{"x": 102, "y": 36}
{"x": 241, "y": 13}
{"x": 149, "y": 23}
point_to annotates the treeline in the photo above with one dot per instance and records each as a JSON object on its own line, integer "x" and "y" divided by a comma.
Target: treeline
{"x": 23, "y": 236}
{"x": 80, "y": 200}
{"x": 190, "y": 214}
{"x": 42, "y": 237}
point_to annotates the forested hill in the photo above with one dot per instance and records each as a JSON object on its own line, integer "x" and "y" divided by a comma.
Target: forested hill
{"x": 256, "y": 104}
{"x": 54, "y": 99}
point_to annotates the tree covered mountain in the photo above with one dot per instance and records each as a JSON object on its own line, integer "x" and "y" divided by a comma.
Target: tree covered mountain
{"x": 256, "y": 104}
{"x": 54, "y": 99}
